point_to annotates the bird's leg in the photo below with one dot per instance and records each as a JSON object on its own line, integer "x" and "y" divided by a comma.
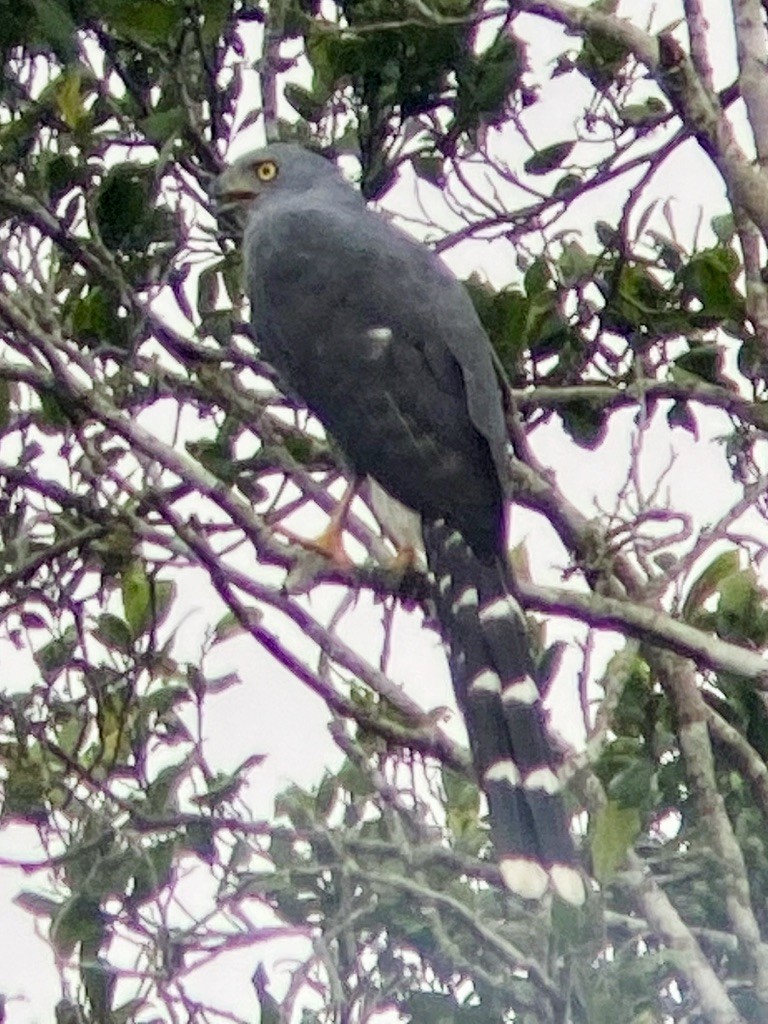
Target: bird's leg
{"x": 405, "y": 560}
{"x": 330, "y": 543}
{"x": 400, "y": 525}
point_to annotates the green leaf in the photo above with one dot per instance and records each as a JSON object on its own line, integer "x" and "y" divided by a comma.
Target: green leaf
{"x": 576, "y": 264}
{"x": 145, "y": 21}
{"x": 644, "y": 115}
{"x": 227, "y": 627}
{"x": 281, "y": 845}
{"x": 215, "y": 14}
{"x": 549, "y": 158}
{"x": 114, "y": 632}
{"x": 429, "y": 167}
{"x": 568, "y": 184}
{"x": 708, "y": 581}
{"x": 216, "y": 457}
{"x": 462, "y": 810}
{"x": 153, "y": 872}
{"x": 66, "y": 1012}
{"x": 584, "y": 421}
{"x": 125, "y": 210}
{"x": 54, "y": 410}
{"x": 163, "y": 596}
{"x": 508, "y": 316}
{"x": 80, "y": 920}
{"x": 635, "y": 709}
{"x": 94, "y": 321}
{"x": 219, "y": 324}
{"x": 461, "y": 793}
{"x": 161, "y": 791}
{"x": 548, "y": 665}
{"x": 208, "y": 288}
{"x": 633, "y": 786}
{"x": 163, "y": 125}
{"x": 305, "y": 102}
{"x": 485, "y": 81}
{"x": 640, "y": 301}
{"x": 615, "y": 829}
{"x": 327, "y": 793}
{"x": 741, "y": 611}
{"x": 681, "y": 415}
{"x": 120, "y": 205}
{"x": 127, "y": 1012}
{"x": 200, "y": 835}
{"x": 702, "y": 362}
{"x": 110, "y": 875}
{"x": 5, "y": 404}
{"x": 99, "y": 981}
{"x": 752, "y": 361}
{"x": 607, "y": 235}
{"x": 56, "y": 654}
{"x": 68, "y": 97}
{"x": 137, "y": 597}
{"x": 33, "y": 902}
{"x": 269, "y": 1008}
{"x": 301, "y": 448}
{"x": 357, "y": 782}
{"x": 602, "y": 57}
{"x": 434, "y": 1008}
{"x": 724, "y": 228}
{"x": 710, "y": 277}
{"x": 164, "y": 699}
{"x": 224, "y": 786}
{"x": 115, "y": 549}
{"x": 538, "y": 277}
{"x": 57, "y": 27}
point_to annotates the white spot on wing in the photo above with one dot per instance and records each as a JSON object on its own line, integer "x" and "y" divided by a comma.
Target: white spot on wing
{"x": 501, "y": 608}
{"x": 485, "y": 682}
{"x": 524, "y": 691}
{"x": 454, "y": 540}
{"x": 445, "y": 583}
{"x": 380, "y": 334}
{"x": 503, "y": 771}
{"x": 466, "y": 599}
{"x": 544, "y": 779}
{"x": 568, "y": 884}
{"x": 524, "y": 877}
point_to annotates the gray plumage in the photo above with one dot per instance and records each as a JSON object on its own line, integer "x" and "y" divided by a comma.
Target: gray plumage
{"x": 382, "y": 343}
{"x": 446, "y": 418}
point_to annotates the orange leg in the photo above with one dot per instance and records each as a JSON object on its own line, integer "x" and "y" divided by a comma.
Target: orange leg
{"x": 406, "y": 560}
{"x": 330, "y": 543}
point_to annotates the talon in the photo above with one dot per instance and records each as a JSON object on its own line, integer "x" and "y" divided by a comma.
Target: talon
{"x": 330, "y": 543}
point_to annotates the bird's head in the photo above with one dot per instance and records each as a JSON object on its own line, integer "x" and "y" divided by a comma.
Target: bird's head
{"x": 280, "y": 169}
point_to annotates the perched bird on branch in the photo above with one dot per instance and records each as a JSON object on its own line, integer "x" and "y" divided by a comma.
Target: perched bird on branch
{"x": 369, "y": 329}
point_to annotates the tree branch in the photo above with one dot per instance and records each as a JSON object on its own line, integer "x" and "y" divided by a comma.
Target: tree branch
{"x": 651, "y": 625}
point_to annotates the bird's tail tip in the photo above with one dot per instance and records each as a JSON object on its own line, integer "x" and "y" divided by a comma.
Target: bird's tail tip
{"x": 530, "y": 880}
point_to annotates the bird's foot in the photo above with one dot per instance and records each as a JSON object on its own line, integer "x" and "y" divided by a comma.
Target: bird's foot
{"x": 329, "y": 544}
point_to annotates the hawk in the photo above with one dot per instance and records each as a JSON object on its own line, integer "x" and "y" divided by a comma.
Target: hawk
{"x": 382, "y": 343}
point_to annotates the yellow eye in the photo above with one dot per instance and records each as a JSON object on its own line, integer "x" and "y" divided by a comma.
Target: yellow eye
{"x": 266, "y": 170}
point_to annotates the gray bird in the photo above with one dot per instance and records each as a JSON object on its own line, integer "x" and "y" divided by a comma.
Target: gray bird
{"x": 369, "y": 328}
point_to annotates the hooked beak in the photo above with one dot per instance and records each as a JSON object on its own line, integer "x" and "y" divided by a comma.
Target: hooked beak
{"x": 234, "y": 197}
{"x": 232, "y": 193}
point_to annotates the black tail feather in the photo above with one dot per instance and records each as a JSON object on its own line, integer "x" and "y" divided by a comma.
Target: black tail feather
{"x": 493, "y": 678}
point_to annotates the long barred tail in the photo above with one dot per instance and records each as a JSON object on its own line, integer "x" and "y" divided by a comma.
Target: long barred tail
{"x": 492, "y": 674}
